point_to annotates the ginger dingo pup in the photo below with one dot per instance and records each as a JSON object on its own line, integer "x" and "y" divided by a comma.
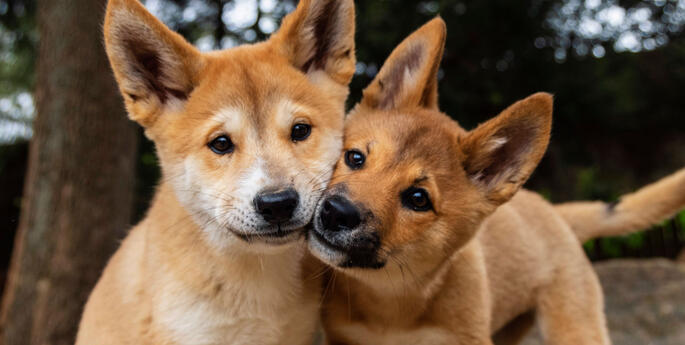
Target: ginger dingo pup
{"x": 247, "y": 139}
{"x": 432, "y": 239}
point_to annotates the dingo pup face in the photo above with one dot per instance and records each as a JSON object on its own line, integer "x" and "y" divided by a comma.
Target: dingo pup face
{"x": 247, "y": 136}
{"x": 412, "y": 186}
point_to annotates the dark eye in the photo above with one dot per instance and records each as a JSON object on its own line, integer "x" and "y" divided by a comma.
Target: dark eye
{"x": 416, "y": 199}
{"x": 354, "y": 159}
{"x": 300, "y": 132}
{"x": 222, "y": 145}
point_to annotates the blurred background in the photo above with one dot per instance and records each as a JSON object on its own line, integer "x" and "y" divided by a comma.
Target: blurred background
{"x": 82, "y": 173}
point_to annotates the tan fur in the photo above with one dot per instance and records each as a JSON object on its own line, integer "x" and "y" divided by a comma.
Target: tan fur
{"x": 200, "y": 268}
{"x": 485, "y": 256}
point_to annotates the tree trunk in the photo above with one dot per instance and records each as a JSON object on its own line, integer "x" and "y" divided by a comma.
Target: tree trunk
{"x": 79, "y": 186}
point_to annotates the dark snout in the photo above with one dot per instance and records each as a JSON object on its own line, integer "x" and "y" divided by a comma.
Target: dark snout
{"x": 338, "y": 214}
{"x": 342, "y": 229}
{"x": 277, "y": 207}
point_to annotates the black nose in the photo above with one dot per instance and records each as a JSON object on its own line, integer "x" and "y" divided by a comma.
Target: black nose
{"x": 277, "y": 207}
{"x": 339, "y": 214}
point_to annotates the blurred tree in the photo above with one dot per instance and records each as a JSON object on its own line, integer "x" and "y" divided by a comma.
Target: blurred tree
{"x": 78, "y": 195}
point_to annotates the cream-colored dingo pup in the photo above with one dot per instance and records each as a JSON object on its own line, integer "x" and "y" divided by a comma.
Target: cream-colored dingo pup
{"x": 247, "y": 139}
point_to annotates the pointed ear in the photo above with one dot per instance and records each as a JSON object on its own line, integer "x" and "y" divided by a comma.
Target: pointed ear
{"x": 319, "y": 37}
{"x": 502, "y": 153}
{"x": 153, "y": 65}
{"x": 409, "y": 77}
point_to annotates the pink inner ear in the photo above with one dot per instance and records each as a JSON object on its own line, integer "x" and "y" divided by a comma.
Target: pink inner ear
{"x": 147, "y": 64}
{"x": 503, "y": 153}
{"x": 325, "y": 32}
{"x": 148, "y": 57}
{"x": 319, "y": 31}
{"x": 511, "y": 154}
{"x": 393, "y": 82}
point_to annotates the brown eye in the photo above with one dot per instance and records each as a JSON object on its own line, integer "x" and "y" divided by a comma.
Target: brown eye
{"x": 416, "y": 199}
{"x": 354, "y": 159}
{"x": 222, "y": 145}
{"x": 300, "y": 132}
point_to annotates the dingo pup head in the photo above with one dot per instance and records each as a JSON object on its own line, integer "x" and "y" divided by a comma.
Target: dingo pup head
{"x": 247, "y": 136}
{"x": 412, "y": 186}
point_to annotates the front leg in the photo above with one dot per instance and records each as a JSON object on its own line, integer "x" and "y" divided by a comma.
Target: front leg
{"x": 571, "y": 307}
{"x": 464, "y": 303}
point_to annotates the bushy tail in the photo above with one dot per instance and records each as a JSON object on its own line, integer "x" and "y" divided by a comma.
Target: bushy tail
{"x": 636, "y": 211}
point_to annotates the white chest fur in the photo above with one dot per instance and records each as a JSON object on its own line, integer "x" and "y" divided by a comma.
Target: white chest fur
{"x": 267, "y": 306}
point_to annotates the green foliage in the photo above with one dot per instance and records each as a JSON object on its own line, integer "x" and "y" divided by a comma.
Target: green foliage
{"x": 635, "y": 241}
{"x": 18, "y": 43}
{"x": 611, "y": 246}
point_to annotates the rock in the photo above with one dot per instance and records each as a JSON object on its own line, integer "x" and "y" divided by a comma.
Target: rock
{"x": 645, "y": 302}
